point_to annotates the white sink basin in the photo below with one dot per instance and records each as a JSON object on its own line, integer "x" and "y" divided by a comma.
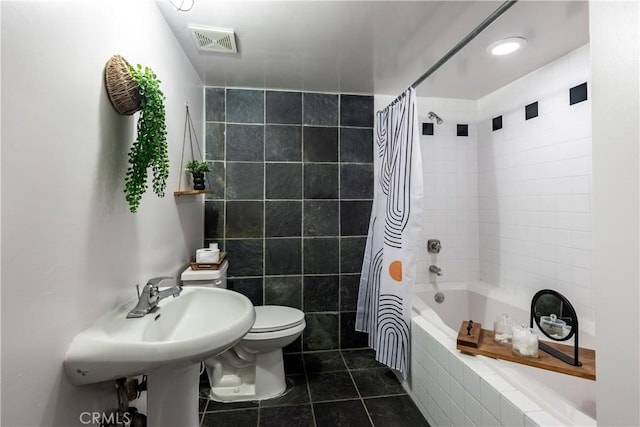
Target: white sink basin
{"x": 198, "y": 324}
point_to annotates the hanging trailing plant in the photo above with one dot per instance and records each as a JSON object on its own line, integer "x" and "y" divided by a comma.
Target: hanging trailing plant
{"x": 149, "y": 150}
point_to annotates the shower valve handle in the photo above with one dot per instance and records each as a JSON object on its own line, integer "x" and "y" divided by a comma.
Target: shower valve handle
{"x": 434, "y": 246}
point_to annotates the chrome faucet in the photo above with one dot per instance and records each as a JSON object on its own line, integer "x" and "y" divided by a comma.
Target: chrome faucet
{"x": 435, "y": 269}
{"x": 151, "y": 295}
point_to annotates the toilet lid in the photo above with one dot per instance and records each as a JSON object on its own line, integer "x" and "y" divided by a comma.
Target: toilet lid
{"x": 271, "y": 318}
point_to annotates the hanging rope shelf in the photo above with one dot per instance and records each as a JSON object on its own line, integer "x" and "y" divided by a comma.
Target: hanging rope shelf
{"x": 199, "y": 187}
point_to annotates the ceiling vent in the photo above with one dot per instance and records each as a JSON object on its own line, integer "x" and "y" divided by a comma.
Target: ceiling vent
{"x": 209, "y": 39}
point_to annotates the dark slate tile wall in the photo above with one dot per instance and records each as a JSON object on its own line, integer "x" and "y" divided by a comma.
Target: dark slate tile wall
{"x": 292, "y": 178}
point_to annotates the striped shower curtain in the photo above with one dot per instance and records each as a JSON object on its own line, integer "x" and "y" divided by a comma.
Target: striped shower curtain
{"x": 389, "y": 265}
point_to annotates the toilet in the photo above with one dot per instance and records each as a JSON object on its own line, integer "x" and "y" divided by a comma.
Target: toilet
{"x": 253, "y": 369}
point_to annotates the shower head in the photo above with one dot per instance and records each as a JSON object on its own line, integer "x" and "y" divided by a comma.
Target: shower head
{"x": 433, "y": 116}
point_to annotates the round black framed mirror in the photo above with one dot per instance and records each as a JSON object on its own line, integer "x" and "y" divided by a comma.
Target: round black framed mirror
{"x": 557, "y": 319}
{"x": 554, "y": 315}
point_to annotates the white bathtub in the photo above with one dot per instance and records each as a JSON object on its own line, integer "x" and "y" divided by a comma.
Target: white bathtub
{"x": 452, "y": 388}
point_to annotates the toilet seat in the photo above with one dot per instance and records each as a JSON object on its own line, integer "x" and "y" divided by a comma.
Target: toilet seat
{"x": 273, "y": 318}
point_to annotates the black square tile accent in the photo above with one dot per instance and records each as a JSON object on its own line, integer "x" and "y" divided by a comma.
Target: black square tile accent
{"x": 326, "y": 361}
{"x": 296, "y": 416}
{"x": 283, "y": 218}
{"x": 283, "y": 143}
{"x": 250, "y": 288}
{"x": 245, "y": 181}
{"x": 320, "y": 218}
{"x": 284, "y": 107}
{"x": 321, "y": 332}
{"x": 283, "y": 256}
{"x": 394, "y": 411}
{"x": 351, "y": 254}
{"x": 320, "y": 181}
{"x": 245, "y": 257}
{"x": 245, "y": 143}
{"x": 356, "y": 145}
{"x": 213, "y": 219}
{"x": 427, "y": 128}
{"x": 331, "y": 386}
{"x": 320, "y": 144}
{"x": 349, "y": 337}
{"x": 342, "y": 413}
{"x": 321, "y": 255}
{"x": 377, "y": 382}
{"x": 356, "y": 181}
{"x": 214, "y": 99}
{"x": 361, "y": 359}
{"x": 496, "y": 123}
{"x": 284, "y": 181}
{"x": 578, "y": 93}
{"x": 244, "y": 219}
{"x": 245, "y": 106}
{"x": 320, "y": 293}
{"x": 356, "y": 110}
{"x": 531, "y": 111}
{"x": 215, "y": 181}
{"x": 215, "y": 141}
{"x": 462, "y": 130}
{"x": 295, "y": 394}
{"x": 285, "y": 291}
{"x": 349, "y": 287}
{"x": 354, "y": 217}
{"x": 239, "y": 418}
{"x": 320, "y": 109}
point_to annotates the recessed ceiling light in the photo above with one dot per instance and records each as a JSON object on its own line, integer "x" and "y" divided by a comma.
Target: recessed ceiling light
{"x": 506, "y": 46}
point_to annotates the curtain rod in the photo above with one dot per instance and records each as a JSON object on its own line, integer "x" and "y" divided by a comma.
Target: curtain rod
{"x": 462, "y": 43}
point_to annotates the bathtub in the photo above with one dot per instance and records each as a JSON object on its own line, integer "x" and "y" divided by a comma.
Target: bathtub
{"x": 451, "y": 388}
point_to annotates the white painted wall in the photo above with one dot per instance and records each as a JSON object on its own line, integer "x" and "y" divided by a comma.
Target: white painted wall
{"x": 534, "y": 186}
{"x": 70, "y": 247}
{"x": 615, "y": 51}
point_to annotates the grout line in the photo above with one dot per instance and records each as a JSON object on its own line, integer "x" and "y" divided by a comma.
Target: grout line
{"x": 306, "y": 378}
{"x": 264, "y": 205}
{"x": 357, "y": 389}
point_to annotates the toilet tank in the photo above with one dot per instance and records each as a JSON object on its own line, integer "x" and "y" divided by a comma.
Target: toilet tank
{"x": 216, "y": 278}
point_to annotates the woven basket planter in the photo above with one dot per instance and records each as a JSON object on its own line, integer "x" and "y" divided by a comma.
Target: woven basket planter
{"x": 122, "y": 89}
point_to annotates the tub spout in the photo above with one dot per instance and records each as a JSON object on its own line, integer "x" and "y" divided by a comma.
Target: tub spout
{"x": 435, "y": 269}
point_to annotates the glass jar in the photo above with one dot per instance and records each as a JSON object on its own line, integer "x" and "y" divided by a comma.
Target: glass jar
{"x": 524, "y": 341}
{"x": 502, "y": 329}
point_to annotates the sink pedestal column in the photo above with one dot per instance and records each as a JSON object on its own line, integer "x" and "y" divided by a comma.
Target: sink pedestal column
{"x": 172, "y": 396}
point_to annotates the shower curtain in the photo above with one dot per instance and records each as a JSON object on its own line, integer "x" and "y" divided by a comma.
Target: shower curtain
{"x": 389, "y": 265}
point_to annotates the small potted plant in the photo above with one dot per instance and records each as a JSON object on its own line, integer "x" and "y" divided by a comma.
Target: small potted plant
{"x": 197, "y": 169}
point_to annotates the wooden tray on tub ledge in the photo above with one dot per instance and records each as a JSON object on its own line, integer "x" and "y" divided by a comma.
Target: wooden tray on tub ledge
{"x": 480, "y": 341}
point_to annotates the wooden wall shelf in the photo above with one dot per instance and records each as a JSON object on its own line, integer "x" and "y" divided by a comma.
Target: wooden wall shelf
{"x": 488, "y": 347}
{"x": 191, "y": 192}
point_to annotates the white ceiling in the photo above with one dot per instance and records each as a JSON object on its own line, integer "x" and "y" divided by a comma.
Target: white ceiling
{"x": 376, "y": 47}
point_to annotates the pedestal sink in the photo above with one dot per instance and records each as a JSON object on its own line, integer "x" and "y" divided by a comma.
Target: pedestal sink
{"x": 167, "y": 345}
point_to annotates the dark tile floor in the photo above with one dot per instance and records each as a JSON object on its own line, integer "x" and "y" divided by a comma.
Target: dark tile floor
{"x": 331, "y": 388}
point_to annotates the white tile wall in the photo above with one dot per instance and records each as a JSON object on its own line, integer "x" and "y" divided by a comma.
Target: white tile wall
{"x": 534, "y": 185}
{"x": 450, "y": 191}
{"x": 513, "y": 207}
